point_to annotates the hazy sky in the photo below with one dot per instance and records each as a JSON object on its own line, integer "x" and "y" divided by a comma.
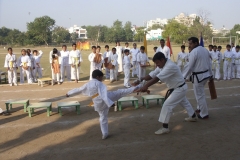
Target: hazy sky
{"x": 15, "y": 13}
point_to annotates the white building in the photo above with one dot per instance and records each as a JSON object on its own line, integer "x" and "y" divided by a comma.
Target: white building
{"x": 154, "y": 35}
{"x": 158, "y": 21}
{"x": 82, "y": 33}
{"x": 185, "y": 19}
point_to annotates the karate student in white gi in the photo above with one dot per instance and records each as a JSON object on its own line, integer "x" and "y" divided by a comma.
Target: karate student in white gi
{"x": 233, "y": 48}
{"x": 200, "y": 69}
{"x": 75, "y": 59}
{"x": 55, "y": 65}
{"x": 65, "y": 66}
{"x": 216, "y": 59}
{"x": 134, "y": 52}
{"x": 237, "y": 61}
{"x": 11, "y": 65}
{"x": 25, "y": 64}
{"x": 181, "y": 58}
{"x": 164, "y": 49}
{"x": 126, "y": 46}
{"x": 101, "y": 98}
{"x": 234, "y": 67}
{"x": 228, "y": 57}
{"x": 143, "y": 61}
{"x": 29, "y": 53}
{"x": 126, "y": 66}
{"x": 106, "y": 55}
{"x": 38, "y": 69}
{"x": 169, "y": 73}
{"x": 119, "y": 49}
{"x": 113, "y": 58}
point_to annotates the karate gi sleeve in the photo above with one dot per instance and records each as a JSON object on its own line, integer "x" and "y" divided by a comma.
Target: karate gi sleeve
{"x": 6, "y": 62}
{"x": 192, "y": 59}
{"x": 166, "y": 73}
{"x": 78, "y": 90}
{"x": 91, "y": 57}
{"x": 70, "y": 59}
{"x": 102, "y": 91}
{"x": 19, "y": 62}
{"x": 50, "y": 57}
{"x": 154, "y": 73}
{"x": 29, "y": 63}
{"x": 168, "y": 52}
{"x": 80, "y": 59}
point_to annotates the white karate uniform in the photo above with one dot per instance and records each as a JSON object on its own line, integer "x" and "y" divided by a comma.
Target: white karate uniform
{"x": 11, "y": 63}
{"x": 107, "y": 71}
{"x": 38, "y": 68}
{"x": 65, "y": 67}
{"x": 234, "y": 67}
{"x": 227, "y": 65}
{"x": 25, "y": 61}
{"x": 31, "y": 72}
{"x": 75, "y": 58}
{"x": 102, "y": 99}
{"x": 142, "y": 59}
{"x": 126, "y": 66}
{"x": 134, "y": 53}
{"x": 185, "y": 67}
{"x": 216, "y": 59}
{"x": 119, "y": 51}
{"x": 181, "y": 60}
{"x": 93, "y": 65}
{"x": 200, "y": 68}
{"x": 237, "y": 63}
{"x": 172, "y": 76}
{"x": 165, "y": 50}
{"x": 113, "y": 58}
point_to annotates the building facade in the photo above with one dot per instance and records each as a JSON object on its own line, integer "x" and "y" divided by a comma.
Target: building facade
{"x": 82, "y": 33}
{"x": 157, "y": 21}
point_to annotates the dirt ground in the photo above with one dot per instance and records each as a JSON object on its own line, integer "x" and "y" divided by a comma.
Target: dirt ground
{"x": 132, "y": 136}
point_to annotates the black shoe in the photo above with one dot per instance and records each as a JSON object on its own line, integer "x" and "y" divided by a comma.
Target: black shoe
{"x": 205, "y": 117}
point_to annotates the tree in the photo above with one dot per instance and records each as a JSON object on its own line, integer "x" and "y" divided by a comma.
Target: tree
{"x": 118, "y": 31}
{"x": 74, "y": 37}
{"x": 60, "y": 35}
{"x": 139, "y": 34}
{"x": 155, "y": 27}
{"x": 177, "y": 31}
{"x": 128, "y": 31}
{"x": 40, "y": 30}
{"x": 3, "y": 34}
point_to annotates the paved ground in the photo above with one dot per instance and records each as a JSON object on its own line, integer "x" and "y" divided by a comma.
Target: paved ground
{"x": 75, "y": 136}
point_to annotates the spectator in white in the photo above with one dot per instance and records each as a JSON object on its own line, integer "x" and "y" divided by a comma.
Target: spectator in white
{"x": 164, "y": 49}
{"x": 228, "y": 58}
{"x": 143, "y": 62}
{"x": 126, "y": 46}
{"x": 181, "y": 58}
{"x": 113, "y": 57}
{"x": 75, "y": 60}
{"x": 233, "y": 49}
{"x": 106, "y": 55}
{"x": 65, "y": 67}
{"x": 38, "y": 69}
{"x": 25, "y": 64}
{"x": 11, "y": 65}
{"x": 216, "y": 59}
{"x": 237, "y": 61}
{"x": 134, "y": 52}
{"x": 29, "y": 53}
{"x": 119, "y": 49}
{"x": 200, "y": 70}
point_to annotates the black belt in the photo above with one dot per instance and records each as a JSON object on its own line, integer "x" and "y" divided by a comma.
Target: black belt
{"x": 195, "y": 73}
{"x": 169, "y": 92}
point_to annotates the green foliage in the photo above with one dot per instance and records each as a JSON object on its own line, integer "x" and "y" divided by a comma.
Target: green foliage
{"x": 60, "y": 35}
{"x": 139, "y": 36}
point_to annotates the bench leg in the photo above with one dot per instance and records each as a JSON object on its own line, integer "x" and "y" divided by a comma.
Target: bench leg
{"x": 60, "y": 111}
{"x": 136, "y": 104}
{"x": 48, "y": 111}
{"x": 119, "y": 106}
{"x": 147, "y": 103}
{"x": 25, "y": 107}
{"x": 132, "y": 103}
{"x": 29, "y": 112}
{"x": 10, "y": 106}
{"x": 7, "y": 107}
{"x": 143, "y": 101}
{"x": 157, "y": 101}
{"x": 78, "y": 109}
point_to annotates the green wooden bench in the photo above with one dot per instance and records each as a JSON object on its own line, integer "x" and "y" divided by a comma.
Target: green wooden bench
{"x": 132, "y": 99}
{"x": 75, "y": 104}
{"x": 25, "y": 103}
{"x": 33, "y": 106}
{"x": 147, "y": 98}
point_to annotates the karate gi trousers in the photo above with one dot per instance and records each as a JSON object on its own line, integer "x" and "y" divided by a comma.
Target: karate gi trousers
{"x": 227, "y": 70}
{"x": 75, "y": 72}
{"x": 234, "y": 69}
{"x": 216, "y": 70}
{"x": 103, "y": 114}
{"x": 55, "y": 77}
{"x": 23, "y": 72}
{"x": 65, "y": 70}
{"x": 141, "y": 72}
{"x": 199, "y": 92}
{"x": 178, "y": 96}
{"x": 238, "y": 70}
{"x": 107, "y": 73}
{"x": 126, "y": 74}
{"x": 114, "y": 73}
{"x": 37, "y": 70}
{"x": 135, "y": 68}
{"x": 12, "y": 76}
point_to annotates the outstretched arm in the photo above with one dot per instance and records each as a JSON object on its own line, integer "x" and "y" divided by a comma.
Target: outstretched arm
{"x": 76, "y": 90}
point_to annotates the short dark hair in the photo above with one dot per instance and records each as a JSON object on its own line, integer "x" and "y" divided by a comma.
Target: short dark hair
{"x": 35, "y": 51}
{"x": 162, "y": 40}
{"x": 183, "y": 46}
{"x": 214, "y": 46}
{"x": 220, "y": 47}
{"x": 97, "y": 73}
{"x": 237, "y": 46}
{"x": 94, "y": 47}
{"x": 210, "y": 45}
{"x": 64, "y": 46}
{"x": 142, "y": 48}
{"x": 228, "y": 45}
{"x": 107, "y": 46}
{"x": 74, "y": 44}
{"x": 158, "y": 56}
{"x": 99, "y": 47}
{"x": 10, "y": 48}
{"x": 55, "y": 50}
{"x": 155, "y": 48}
{"x": 194, "y": 39}
{"x": 23, "y": 50}
{"x": 126, "y": 43}
{"x": 134, "y": 44}
{"x": 126, "y": 50}
{"x": 114, "y": 48}
{"x": 28, "y": 50}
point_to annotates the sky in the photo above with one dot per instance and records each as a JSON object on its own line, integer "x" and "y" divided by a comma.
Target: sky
{"x": 16, "y": 13}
